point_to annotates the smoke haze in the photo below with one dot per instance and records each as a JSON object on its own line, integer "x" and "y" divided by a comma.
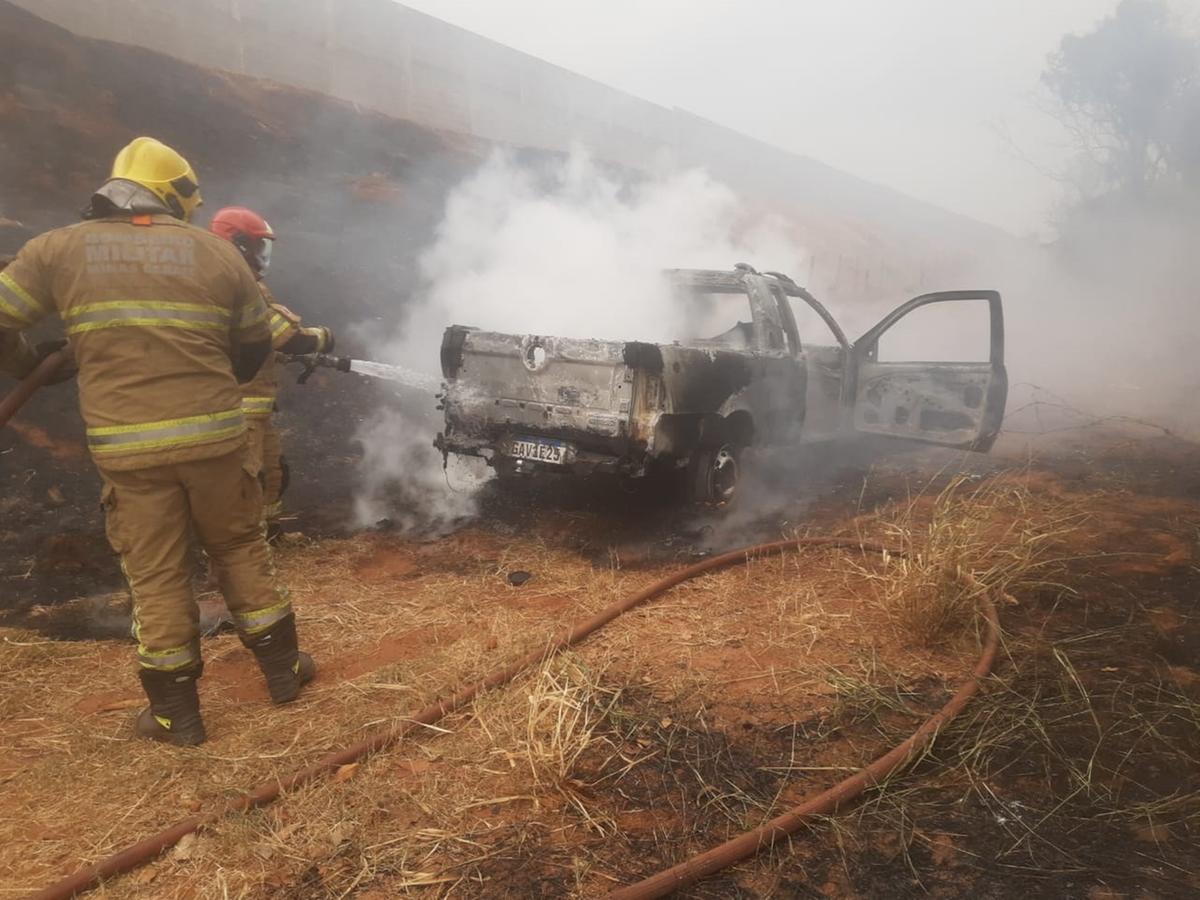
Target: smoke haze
{"x": 570, "y": 249}
{"x": 1100, "y": 319}
{"x": 1104, "y": 326}
{"x": 566, "y": 248}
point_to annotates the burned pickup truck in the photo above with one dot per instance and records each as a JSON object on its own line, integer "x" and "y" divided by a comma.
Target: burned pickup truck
{"x": 533, "y": 404}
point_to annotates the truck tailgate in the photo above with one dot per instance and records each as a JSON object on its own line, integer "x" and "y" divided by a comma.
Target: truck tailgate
{"x": 544, "y": 385}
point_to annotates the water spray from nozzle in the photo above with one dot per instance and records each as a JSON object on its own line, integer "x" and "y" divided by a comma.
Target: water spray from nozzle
{"x": 399, "y": 374}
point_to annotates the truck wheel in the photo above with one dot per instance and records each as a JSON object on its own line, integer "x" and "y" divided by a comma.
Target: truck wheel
{"x": 714, "y": 473}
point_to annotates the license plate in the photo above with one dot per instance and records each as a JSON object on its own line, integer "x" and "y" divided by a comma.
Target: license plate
{"x": 540, "y": 450}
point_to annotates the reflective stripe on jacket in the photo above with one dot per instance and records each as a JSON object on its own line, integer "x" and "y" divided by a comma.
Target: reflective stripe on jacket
{"x": 16, "y": 304}
{"x": 134, "y": 313}
{"x": 155, "y": 311}
{"x": 258, "y": 394}
{"x": 278, "y": 324}
{"x": 17, "y": 357}
{"x": 258, "y": 406}
{"x": 167, "y": 434}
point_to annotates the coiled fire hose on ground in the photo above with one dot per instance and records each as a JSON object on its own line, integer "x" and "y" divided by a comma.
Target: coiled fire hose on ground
{"x": 27, "y": 386}
{"x": 658, "y": 885}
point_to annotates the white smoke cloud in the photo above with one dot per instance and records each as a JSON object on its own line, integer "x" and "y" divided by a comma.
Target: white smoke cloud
{"x": 564, "y": 249}
{"x": 402, "y": 480}
{"x": 1107, "y": 322}
{"x": 570, "y": 250}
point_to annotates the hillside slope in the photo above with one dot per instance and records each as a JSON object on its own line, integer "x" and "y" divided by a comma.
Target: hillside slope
{"x": 352, "y": 194}
{"x": 331, "y": 176}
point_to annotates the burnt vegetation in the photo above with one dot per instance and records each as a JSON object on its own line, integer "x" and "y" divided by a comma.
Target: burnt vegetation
{"x": 1075, "y": 772}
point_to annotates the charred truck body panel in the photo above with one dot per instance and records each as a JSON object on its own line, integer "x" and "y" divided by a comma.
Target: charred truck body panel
{"x": 529, "y": 403}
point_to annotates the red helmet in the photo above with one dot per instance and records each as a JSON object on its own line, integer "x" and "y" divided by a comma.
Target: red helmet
{"x": 249, "y": 232}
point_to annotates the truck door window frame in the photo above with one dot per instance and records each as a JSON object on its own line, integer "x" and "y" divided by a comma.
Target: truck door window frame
{"x": 867, "y": 346}
{"x": 789, "y": 288}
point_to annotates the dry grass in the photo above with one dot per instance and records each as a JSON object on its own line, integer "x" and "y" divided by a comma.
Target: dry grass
{"x": 565, "y": 715}
{"x": 566, "y": 705}
{"x": 1044, "y": 777}
{"x": 1009, "y": 539}
{"x": 405, "y": 634}
{"x": 552, "y": 758}
{"x": 677, "y": 726}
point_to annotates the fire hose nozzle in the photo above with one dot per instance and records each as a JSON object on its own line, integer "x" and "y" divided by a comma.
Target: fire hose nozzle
{"x": 312, "y": 361}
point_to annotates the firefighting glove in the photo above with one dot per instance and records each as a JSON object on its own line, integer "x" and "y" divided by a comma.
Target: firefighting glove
{"x": 67, "y": 369}
{"x": 326, "y": 340}
{"x": 321, "y": 337}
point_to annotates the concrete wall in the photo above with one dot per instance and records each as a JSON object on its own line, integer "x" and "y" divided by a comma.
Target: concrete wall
{"x": 385, "y": 56}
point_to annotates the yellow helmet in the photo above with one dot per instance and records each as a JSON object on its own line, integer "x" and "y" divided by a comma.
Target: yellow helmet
{"x": 159, "y": 169}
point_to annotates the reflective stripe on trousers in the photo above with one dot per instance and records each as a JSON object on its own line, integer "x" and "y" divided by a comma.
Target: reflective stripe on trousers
{"x": 167, "y": 433}
{"x": 261, "y": 619}
{"x": 169, "y": 660}
{"x": 152, "y": 313}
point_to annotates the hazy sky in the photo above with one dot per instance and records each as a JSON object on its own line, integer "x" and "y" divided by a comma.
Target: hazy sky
{"x": 938, "y": 98}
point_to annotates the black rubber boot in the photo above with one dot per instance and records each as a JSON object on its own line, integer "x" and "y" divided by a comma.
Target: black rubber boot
{"x": 173, "y": 715}
{"x": 286, "y": 668}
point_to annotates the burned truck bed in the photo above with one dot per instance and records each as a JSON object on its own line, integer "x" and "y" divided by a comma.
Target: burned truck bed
{"x": 540, "y": 405}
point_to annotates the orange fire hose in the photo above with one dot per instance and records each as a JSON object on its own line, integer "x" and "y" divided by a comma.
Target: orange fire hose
{"x": 656, "y": 886}
{"x": 758, "y": 839}
{"x": 45, "y": 371}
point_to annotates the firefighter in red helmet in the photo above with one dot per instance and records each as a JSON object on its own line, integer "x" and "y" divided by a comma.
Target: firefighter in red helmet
{"x": 250, "y": 233}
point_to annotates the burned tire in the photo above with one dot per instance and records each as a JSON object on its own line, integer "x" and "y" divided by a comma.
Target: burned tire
{"x": 714, "y": 474}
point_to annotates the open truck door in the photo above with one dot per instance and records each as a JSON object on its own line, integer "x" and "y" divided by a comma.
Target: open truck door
{"x": 952, "y": 399}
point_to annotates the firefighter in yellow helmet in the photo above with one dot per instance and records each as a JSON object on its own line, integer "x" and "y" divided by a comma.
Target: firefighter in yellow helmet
{"x": 165, "y": 321}
{"x": 253, "y": 236}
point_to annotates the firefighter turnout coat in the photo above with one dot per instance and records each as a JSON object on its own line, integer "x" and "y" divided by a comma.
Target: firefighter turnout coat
{"x": 259, "y": 398}
{"x": 153, "y": 310}
{"x": 258, "y": 395}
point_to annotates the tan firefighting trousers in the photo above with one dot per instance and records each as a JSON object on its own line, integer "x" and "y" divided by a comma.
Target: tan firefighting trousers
{"x": 150, "y": 514}
{"x": 265, "y": 451}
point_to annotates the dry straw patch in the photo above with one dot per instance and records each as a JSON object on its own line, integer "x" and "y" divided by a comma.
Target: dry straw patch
{"x": 656, "y": 737}
{"x": 542, "y": 730}
{"x": 1061, "y": 766}
{"x": 387, "y": 645}
{"x": 1010, "y": 540}
{"x": 567, "y": 704}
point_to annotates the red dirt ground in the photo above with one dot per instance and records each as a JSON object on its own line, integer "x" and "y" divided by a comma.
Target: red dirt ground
{"x": 720, "y": 683}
